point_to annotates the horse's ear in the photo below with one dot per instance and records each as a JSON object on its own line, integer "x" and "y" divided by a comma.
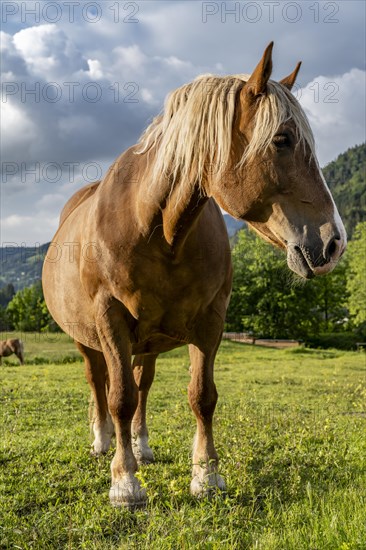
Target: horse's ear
{"x": 257, "y": 83}
{"x": 289, "y": 80}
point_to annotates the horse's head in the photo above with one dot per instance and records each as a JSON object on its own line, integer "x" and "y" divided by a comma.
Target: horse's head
{"x": 274, "y": 181}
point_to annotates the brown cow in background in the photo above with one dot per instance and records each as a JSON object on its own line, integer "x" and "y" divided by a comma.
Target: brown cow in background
{"x": 13, "y": 345}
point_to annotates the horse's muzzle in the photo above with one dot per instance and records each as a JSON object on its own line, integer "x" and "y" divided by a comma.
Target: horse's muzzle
{"x": 310, "y": 262}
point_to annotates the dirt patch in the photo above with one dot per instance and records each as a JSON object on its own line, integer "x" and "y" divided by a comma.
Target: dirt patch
{"x": 243, "y": 338}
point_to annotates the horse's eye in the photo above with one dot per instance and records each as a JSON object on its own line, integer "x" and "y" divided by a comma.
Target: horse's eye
{"x": 281, "y": 141}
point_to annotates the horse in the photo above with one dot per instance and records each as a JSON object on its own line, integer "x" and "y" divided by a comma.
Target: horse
{"x": 10, "y": 346}
{"x": 140, "y": 263}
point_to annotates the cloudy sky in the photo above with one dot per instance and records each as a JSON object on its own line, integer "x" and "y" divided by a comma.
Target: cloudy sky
{"x": 81, "y": 80}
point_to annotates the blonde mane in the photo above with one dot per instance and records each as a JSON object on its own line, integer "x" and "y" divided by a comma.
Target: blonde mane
{"x": 194, "y": 133}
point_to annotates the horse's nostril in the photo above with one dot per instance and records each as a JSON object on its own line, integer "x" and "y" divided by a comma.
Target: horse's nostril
{"x": 331, "y": 248}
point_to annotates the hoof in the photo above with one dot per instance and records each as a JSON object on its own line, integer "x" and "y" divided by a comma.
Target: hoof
{"x": 143, "y": 453}
{"x": 98, "y": 450}
{"x": 128, "y": 492}
{"x": 146, "y": 458}
{"x": 207, "y": 485}
{"x": 97, "y": 454}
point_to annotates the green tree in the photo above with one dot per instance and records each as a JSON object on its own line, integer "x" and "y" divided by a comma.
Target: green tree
{"x": 329, "y": 298}
{"x": 27, "y": 311}
{"x": 356, "y": 280}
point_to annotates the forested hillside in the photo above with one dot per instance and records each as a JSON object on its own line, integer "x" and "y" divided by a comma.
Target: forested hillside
{"x": 20, "y": 265}
{"x": 346, "y": 177}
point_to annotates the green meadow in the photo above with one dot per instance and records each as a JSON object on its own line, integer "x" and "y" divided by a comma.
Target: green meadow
{"x": 290, "y": 430}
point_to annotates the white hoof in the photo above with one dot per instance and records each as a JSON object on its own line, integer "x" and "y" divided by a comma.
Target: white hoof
{"x": 143, "y": 453}
{"x": 99, "y": 447}
{"x": 206, "y": 485}
{"x": 128, "y": 492}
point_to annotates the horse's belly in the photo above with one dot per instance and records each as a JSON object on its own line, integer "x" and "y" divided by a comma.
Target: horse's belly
{"x": 156, "y": 343}
{"x": 67, "y": 300}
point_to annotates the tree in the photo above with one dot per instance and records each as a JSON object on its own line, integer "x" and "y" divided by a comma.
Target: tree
{"x": 356, "y": 281}
{"x": 331, "y": 296}
{"x": 27, "y": 311}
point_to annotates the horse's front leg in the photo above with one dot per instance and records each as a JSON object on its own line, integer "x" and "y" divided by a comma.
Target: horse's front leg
{"x": 144, "y": 371}
{"x": 114, "y": 337}
{"x": 202, "y": 396}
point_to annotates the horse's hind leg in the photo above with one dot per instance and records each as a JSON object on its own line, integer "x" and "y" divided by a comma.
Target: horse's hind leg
{"x": 144, "y": 370}
{"x": 96, "y": 374}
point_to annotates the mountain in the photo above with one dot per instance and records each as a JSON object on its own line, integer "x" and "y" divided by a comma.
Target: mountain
{"x": 346, "y": 177}
{"x": 232, "y": 225}
{"x": 21, "y": 266}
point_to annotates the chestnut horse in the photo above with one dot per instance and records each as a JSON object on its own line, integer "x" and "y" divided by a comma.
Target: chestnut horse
{"x": 10, "y": 346}
{"x": 141, "y": 261}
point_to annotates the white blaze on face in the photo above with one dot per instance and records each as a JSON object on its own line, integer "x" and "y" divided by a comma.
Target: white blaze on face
{"x": 340, "y": 243}
{"x": 337, "y": 219}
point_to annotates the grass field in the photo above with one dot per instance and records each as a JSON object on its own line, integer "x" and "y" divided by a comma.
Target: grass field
{"x": 290, "y": 430}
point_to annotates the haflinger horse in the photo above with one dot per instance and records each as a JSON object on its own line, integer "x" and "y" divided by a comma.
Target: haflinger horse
{"x": 10, "y": 346}
{"x": 141, "y": 261}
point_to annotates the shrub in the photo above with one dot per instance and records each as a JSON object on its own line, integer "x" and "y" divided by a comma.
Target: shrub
{"x": 338, "y": 340}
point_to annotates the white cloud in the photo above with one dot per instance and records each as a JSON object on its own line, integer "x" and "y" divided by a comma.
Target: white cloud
{"x": 173, "y": 61}
{"x": 33, "y": 43}
{"x": 16, "y": 125}
{"x": 130, "y": 57}
{"x": 335, "y": 106}
{"x": 95, "y": 69}
{"x": 15, "y": 221}
{"x": 148, "y": 97}
{"x": 6, "y": 42}
{"x": 38, "y": 228}
{"x": 47, "y": 51}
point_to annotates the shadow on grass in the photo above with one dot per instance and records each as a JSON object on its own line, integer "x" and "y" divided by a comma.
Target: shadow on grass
{"x": 289, "y": 478}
